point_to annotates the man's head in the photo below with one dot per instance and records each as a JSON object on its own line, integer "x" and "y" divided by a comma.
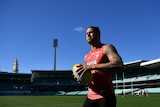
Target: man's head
{"x": 93, "y": 35}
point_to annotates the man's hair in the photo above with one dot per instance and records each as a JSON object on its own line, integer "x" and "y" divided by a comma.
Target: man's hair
{"x": 96, "y": 29}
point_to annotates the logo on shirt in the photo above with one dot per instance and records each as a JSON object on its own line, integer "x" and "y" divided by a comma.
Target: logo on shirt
{"x": 92, "y": 62}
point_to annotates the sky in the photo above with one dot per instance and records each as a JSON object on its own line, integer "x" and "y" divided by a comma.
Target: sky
{"x": 28, "y": 28}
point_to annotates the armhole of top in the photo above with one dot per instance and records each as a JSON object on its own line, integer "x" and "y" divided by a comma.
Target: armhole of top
{"x": 84, "y": 60}
{"x": 103, "y": 50}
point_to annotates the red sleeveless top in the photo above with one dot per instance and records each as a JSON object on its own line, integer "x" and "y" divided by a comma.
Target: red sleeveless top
{"x": 101, "y": 84}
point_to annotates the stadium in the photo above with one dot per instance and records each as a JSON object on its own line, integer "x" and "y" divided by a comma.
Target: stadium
{"x": 137, "y": 76}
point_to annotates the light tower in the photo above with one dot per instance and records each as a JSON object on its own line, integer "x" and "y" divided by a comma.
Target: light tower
{"x": 55, "y": 44}
{"x": 15, "y": 66}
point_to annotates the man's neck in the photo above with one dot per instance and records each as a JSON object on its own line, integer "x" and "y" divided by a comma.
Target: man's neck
{"x": 93, "y": 47}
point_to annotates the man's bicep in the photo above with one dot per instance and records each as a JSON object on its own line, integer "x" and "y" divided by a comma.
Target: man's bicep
{"x": 114, "y": 57}
{"x": 112, "y": 53}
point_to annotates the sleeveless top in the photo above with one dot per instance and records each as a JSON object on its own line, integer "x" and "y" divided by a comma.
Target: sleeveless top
{"x": 101, "y": 85}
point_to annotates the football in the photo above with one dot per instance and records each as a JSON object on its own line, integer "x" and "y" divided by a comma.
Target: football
{"x": 86, "y": 77}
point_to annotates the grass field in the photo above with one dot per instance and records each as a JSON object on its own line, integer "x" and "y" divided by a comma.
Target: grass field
{"x": 75, "y": 101}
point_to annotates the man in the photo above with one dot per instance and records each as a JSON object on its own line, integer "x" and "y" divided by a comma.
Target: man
{"x": 102, "y": 60}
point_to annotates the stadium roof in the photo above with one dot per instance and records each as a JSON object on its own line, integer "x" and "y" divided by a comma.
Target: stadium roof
{"x": 132, "y": 65}
{"x": 151, "y": 64}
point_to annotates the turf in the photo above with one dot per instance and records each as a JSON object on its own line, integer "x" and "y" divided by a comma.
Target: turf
{"x": 75, "y": 101}
{"x": 136, "y": 101}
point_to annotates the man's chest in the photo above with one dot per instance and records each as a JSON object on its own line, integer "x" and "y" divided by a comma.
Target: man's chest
{"x": 94, "y": 57}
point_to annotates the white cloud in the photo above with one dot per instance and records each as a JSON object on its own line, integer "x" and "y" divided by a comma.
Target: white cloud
{"x": 79, "y": 29}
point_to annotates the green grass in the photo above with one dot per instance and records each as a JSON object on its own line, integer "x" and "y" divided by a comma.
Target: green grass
{"x": 75, "y": 101}
{"x": 136, "y": 101}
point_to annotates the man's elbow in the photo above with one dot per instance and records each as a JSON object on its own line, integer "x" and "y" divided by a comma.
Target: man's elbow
{"x": 119, "y": 67}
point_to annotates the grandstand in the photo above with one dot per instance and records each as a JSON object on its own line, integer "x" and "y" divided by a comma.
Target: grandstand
{"x": 14, "y": 84}
{"x": 136, "y": 76}
{"x": 54, "y": 82}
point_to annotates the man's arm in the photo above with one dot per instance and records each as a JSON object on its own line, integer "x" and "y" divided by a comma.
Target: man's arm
{"x": 115, "y": 63}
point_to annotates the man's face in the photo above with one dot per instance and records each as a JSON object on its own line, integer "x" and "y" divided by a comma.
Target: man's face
{"x": 90, "y": 35}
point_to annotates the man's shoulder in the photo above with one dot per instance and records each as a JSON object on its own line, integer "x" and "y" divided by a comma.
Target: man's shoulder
{"x": 108, "y": 45}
